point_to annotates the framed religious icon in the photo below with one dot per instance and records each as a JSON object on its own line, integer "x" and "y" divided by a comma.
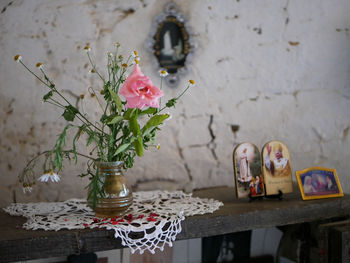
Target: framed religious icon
{"x": 318, "y": 182}
{"x": 277, "y": 168}
{"x": 171, "y": 43}
{"x": 247, "y": 171}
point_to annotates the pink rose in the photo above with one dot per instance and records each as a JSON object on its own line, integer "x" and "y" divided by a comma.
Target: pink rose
{"x": 139, "y": 90}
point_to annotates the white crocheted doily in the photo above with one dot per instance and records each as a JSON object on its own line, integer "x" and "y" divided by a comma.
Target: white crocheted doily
{"x": 152, "y": 221}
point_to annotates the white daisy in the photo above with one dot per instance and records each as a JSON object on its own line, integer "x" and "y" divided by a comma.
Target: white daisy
{"x": 110, "y": 54}
{"x": 18, "y": 58}
{"x": 192, "y": 83}
{"x": 27, "y": 189}
{"x": 163, "y": 73}
{"x": 135, "y": 54}
{"x": 49, "y": 175}
{"x": 87, "y": 48}
{"x": 39, "y": 65}
{"x": 158, "y": 146}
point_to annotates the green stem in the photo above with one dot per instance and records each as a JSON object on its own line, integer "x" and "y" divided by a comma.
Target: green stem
{"x": 34, "y": 74}
{"x": 161, "y": 87}
{"x": 178, "y": 97}
{"x": 82, "y": 115}
{"x": 94, "y": 67}
{"x": 57, "y": 105}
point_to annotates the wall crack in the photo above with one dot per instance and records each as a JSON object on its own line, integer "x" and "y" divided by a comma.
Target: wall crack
{"x": 180, "y": 151}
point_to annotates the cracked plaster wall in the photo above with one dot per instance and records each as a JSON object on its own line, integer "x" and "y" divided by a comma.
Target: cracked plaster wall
{"x": 264, "y": 70}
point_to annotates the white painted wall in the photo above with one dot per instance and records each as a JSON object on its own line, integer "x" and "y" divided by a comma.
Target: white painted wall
{"x": 247, "y": 74}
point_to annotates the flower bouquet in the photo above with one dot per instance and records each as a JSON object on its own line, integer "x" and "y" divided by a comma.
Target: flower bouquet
{"x": 131, "y": 115}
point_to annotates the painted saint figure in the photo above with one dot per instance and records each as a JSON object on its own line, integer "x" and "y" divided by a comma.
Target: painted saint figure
{"x": 258, "y": 185}
{"x": 308, "y": 187}
{"x": 279, "y": 166}
{"x": 331, "y": 186}
{"x": 167, "y": 50}
{"x": 244, "y": 168}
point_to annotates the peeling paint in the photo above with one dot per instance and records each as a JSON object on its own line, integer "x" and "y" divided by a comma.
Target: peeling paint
{"x": 345, "y": 134}
{"x": 295, "y": 43}
{"x": 258, "y": 30}
{"x": 235, "y": 129}
{"x": 286, "y": 22}
{"x": 220, "y": 60}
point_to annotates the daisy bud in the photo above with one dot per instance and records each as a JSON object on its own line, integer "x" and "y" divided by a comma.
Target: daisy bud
{"x": 87, "y": 48}
{"x": 134, "y": 54}
{"x": 39, "y": 65}
{"x": 18, "y": 58}
{"x": 163, "y": 73}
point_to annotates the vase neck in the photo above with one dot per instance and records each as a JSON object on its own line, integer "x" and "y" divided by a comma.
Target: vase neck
{"x": 110, "y": 168}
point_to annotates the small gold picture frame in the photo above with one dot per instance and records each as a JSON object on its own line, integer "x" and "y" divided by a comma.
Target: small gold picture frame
{"x": 318, "y": 182}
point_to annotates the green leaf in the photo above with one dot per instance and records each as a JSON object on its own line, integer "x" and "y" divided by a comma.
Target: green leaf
{"x": 76, "y": 137}
{"x": 114, "y": 119}
{"x": 134, "y": 126}
{"x": 90, "y": 139}
{"x": 129, "y": 113}
{"x": 122, "y": 148}
{"x": 155, "y": 121}
{"x": 171, "y": 103}
{"x": 116, "y": 99}
{"x": 138, "y": 146}
{"x": 48, "y": 95}
{"x": 103, "y": 118}
{"x": 148, "y": 111}
{"x": 69, "y": 113}
{"x": 135, "y": 129}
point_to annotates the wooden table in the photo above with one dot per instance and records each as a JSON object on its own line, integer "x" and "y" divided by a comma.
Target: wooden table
{"x": 236, "y": 215}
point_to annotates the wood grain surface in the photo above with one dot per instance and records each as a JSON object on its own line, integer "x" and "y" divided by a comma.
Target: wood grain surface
{"x": 236, "y": 215}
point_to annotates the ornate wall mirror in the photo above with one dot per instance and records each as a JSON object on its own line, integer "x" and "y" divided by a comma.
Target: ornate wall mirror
{"x": 171, "y": 43}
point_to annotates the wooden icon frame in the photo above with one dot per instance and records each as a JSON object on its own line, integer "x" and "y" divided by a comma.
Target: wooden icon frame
{"x": 254, "y": 175}
{"x": 274, "y": 184}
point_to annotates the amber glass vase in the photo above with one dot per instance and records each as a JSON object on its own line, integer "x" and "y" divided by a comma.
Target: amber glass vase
{"x": 118, "y": 195}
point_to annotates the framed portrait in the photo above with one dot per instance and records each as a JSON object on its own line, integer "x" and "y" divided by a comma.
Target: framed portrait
{"x": 171, "y": 43}
{"x": 318, "y": 182}
{"x": 247, "y": 171}
{"x": 277, "y": 168}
